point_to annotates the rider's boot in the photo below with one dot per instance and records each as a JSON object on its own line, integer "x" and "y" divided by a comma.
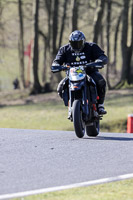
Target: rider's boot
{"x": 101, "y": 110}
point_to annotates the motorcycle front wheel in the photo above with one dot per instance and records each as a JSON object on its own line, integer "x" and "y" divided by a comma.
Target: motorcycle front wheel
{"x": 93, "y": 130}
{"x": 79, "y": 125}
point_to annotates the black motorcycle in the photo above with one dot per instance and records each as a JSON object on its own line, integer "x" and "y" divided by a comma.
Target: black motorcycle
{"x": 79, "y": 92}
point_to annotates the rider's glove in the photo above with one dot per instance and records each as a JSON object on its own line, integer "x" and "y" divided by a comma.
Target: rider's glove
{"x": 55, "y": 64}
{"x": 99, "y": 61}
{"x": 55, "y": 67}
{"x": 99, "y": 64}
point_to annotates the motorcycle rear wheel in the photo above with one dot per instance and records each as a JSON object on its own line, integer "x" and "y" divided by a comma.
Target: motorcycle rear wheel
{"x": 93, "y": 131}
{"x": 79, "y": 125}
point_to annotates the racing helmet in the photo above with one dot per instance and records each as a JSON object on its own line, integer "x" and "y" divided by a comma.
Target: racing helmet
{"x": 77, "y": 40}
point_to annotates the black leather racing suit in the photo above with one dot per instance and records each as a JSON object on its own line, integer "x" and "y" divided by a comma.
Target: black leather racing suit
{"x": 90, "y": 53}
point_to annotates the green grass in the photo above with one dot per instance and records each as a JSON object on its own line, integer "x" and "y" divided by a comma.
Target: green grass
{"x": 118, "y": 104}
{"x": 111, "y": 191}
{"x": 52, "y": 114}
{"x": 35, "y": 116}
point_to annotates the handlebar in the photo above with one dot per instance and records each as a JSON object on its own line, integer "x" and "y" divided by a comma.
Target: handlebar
{"x": 97, "y": 65}
{"x": 56, "y": 69}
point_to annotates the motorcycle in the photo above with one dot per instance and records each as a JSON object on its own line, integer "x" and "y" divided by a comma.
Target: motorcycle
{"x": 77, "y": 95}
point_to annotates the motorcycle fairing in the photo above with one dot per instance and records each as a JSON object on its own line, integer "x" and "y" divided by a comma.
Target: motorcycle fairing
{"x": 76, "y": 85}
{"x": 77, "y": 73}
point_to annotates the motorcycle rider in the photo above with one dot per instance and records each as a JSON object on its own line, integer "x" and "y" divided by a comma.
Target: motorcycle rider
{"x": 79, "y": 52}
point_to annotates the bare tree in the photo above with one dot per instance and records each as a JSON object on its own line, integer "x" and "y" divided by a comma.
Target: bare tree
{"x": 75, "y": 15}
{"x": 98, "y": 20}
{"x": 109, "y": 5}
{"x": 21, "y": 43}
{"x": 116, "y": 42}
{"x": 127, "y": 50}
{"x": 55, "y": 26}
{"x": 63, "y": 22}
{"x": 50, "y": 40}
{"x": 36, "y": 87}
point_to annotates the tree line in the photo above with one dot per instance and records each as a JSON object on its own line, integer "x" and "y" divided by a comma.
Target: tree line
{"x": 106, "y": 22}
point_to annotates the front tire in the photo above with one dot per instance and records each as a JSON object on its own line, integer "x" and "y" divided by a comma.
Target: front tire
{"x": 93, "y": 131}
{"x": 79, "y": 125}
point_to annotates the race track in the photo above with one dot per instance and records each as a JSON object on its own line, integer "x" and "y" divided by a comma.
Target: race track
{"x": 35, "y": 159}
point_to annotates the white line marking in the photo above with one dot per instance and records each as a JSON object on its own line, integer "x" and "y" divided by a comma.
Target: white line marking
{"x": 53, "y": 189}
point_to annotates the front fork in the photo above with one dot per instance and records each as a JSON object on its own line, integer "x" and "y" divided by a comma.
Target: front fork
{"x": 85, "y": 99}
{"x": 70, "y": 103}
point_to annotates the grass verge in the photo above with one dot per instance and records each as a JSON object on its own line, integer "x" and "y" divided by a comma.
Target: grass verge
{"x": 111, "y": 191}
{"x": 47, "y": 111}
{"x": 119, "y": 104}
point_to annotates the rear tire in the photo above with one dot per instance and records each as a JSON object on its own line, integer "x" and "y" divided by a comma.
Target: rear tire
{"x": 79, "y": 125}
{"x": 93, "y": 131}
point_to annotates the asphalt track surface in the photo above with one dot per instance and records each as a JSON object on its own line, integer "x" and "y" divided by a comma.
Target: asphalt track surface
{"x": 35, "y": 159}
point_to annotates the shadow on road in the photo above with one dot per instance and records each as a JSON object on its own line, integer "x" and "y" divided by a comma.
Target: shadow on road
{"x": 110, "y": 138}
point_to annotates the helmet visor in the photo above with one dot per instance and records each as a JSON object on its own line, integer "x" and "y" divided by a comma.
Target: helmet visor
{"x": 77, "y": 45}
